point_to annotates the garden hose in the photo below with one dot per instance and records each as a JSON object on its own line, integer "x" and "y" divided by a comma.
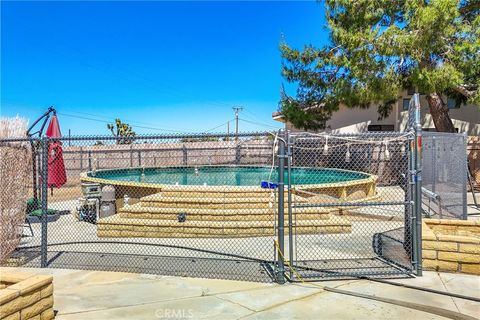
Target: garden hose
{"x": 420, "y": 307}
{"x": 450, "y": 294}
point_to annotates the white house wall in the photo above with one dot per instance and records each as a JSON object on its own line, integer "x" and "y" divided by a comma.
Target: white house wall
{"x": 353, "y": 120}
{"x": 357, "y": 120}
{"x": 466, "y": 118}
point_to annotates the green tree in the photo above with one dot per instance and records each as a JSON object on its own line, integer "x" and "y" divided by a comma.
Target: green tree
{"x": 380, "y": 47}
{"x": 123, "y": 132}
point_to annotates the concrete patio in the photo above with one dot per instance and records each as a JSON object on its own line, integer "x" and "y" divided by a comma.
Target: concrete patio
{"x": 111, "y": 295}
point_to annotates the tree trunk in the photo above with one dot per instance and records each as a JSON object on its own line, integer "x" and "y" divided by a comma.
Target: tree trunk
{"x": 439, "y": 112}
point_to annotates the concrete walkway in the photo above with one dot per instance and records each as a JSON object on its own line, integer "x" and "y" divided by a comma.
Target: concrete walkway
{"x": 110, "y": 295}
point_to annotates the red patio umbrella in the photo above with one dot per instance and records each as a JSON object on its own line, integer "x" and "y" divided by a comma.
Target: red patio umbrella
{"x": 56, "y": 168}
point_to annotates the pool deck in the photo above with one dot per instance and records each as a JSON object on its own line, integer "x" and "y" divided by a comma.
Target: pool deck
{"x": 113, "y": 295}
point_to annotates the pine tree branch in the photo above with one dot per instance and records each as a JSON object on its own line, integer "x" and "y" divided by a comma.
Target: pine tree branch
{"x": 467, "y": 90}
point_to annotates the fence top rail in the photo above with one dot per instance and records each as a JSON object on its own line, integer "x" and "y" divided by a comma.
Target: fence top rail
{"x": 444, "y": 134}
{"x": 106, "y": 149}
{"x": 146, "y": 136}
{"x": 370, "y": 134}
{"x": 20, "y": 139}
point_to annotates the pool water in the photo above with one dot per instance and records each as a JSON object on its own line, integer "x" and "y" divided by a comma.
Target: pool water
{"x": 226, "y": 176}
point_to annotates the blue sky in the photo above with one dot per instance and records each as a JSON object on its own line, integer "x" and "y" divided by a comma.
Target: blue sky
{"x": 172, "y": 66}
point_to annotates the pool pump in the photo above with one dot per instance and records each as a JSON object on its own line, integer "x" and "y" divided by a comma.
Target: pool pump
{"x": 96, "y": 202}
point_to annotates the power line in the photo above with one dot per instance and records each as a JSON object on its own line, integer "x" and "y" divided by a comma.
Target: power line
{"x": 251, "y": 113}
{"x": 255, "y": 120}
{"x": 112, "y": 117}
{"x": 108, "y": 122}
{"x": 124, "y": 73}
{"x": 221, "y": 125}
{"x": 259, "y": 123}
{"x": 148, "y": 126}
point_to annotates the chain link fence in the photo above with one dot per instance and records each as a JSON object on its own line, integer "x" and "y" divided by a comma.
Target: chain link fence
{"x": 175, "y": 205}
{"x": 445, "y": 175}
{"x": 212, "y": 205}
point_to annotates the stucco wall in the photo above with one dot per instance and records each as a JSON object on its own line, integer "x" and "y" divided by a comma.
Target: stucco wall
{"x": 466, "y": 118}
{"x": 352, "y": 120}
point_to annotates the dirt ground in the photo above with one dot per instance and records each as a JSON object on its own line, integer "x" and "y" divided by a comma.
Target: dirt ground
{"x": 70, "y": 191}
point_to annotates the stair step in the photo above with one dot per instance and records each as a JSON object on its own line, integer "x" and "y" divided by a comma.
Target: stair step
{"x": 180, "y": 205}
{"x": 139, "y": 208}
{"x": 209, "y": 194}
{"x": 115, "y": 226}
{"x": 219, "y": 217}
{"x": 206, "y": 200}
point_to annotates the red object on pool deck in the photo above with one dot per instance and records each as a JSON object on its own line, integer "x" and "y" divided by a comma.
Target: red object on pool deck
{"x": 56, "y": 168}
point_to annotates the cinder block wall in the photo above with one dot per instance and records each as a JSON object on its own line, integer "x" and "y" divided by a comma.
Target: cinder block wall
{"x": 26, "y": 296}
{"x": 451, "y": 245}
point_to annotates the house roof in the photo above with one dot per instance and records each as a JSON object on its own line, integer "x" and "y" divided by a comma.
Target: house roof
{"x": 278, "y": 116}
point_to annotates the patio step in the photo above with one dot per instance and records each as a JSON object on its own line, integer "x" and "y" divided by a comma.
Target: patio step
{"x": 209, "y": 200}
{"x": 116, "y": 226}
{"x": 189, "y": 193}
{"x": 201, "y": 213}
{"x": 211, "y": 204}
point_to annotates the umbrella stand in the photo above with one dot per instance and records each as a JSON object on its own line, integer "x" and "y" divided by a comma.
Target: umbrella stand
{"x": 30, "y": 134}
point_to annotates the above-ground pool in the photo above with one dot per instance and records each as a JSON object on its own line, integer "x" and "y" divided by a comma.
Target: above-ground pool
{"x": 139, "y": 182}
{"x": 223, "y": 201}
{"x": 224, "y": 176}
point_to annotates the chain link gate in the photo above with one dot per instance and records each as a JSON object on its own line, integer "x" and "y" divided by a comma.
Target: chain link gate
{"x": 354, "y": 203}
{"x": 355, "y": 219}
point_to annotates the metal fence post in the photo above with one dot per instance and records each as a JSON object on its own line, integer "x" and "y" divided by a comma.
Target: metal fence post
{"x": 44, "y": 240}
{"x": 184, "y": 152}
{"x": 238, "y": 152}
{"x": 281, "y": 211}
{"x": 90, "y": 160}
{"x": 131, "y": 156}
{"x": 289, "y": 199}
{"x": 434, "y": 167}
{"x": 81, "y": 158}
{"x": 418, "y": 185}
{"x": 410, "y": 230}
{"x": 466, "y": 178}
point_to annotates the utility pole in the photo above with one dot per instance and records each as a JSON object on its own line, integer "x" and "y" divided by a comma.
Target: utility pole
{"x": 237, "y": 111}
{"x": 228, "y": 130}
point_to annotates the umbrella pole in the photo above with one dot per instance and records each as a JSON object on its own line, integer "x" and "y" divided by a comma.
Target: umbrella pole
{"x": 45, "y": 117}
{"x": 34, "y": 170}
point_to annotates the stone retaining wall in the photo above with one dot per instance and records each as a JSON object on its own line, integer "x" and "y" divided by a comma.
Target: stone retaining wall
{"x": 451, "y": 245}
{"x": 26, "y": 296}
